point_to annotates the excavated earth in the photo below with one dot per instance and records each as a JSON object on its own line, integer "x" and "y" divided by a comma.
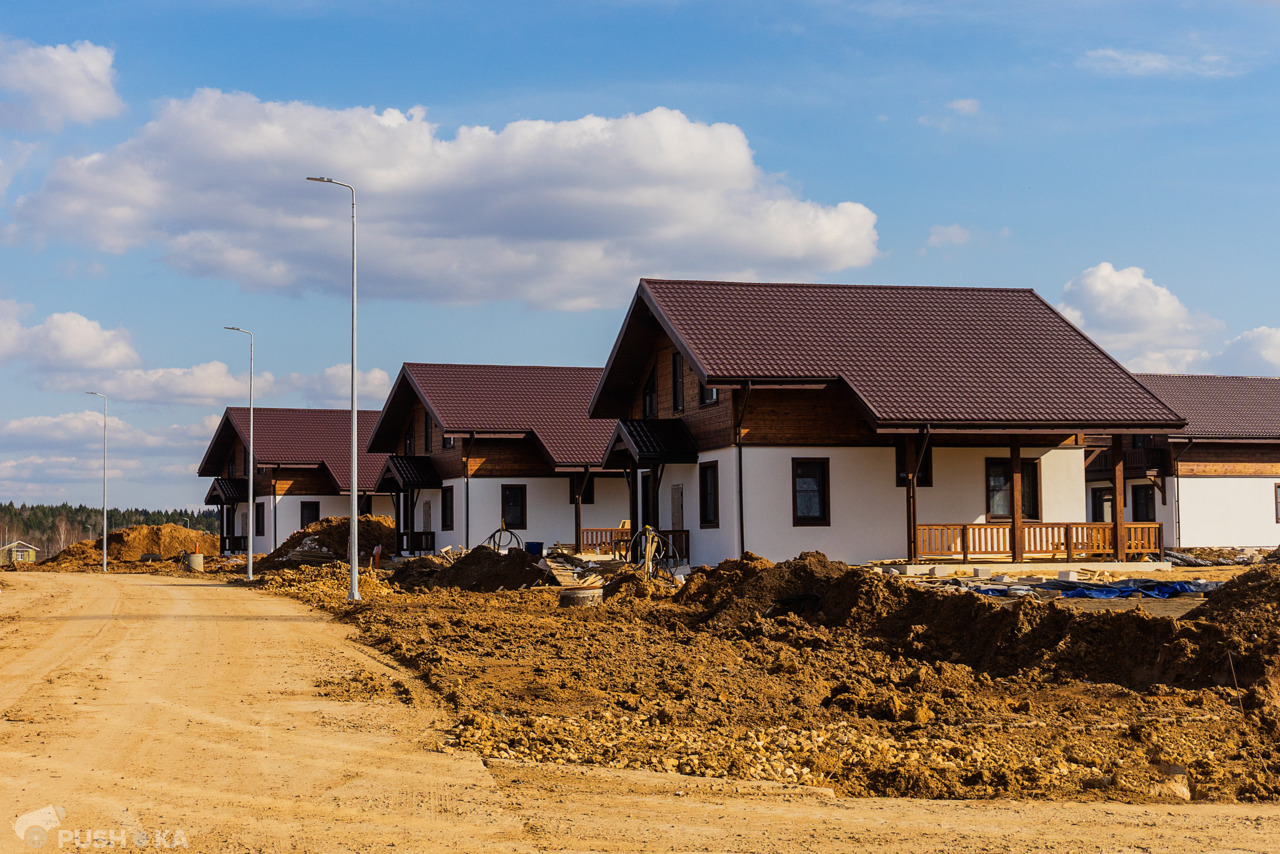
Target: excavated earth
{"x": 814, "y": 672}
{"x": 127, "y": 548}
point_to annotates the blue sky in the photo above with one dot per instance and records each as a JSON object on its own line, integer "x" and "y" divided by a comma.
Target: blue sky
{"x": 520, "y": 165}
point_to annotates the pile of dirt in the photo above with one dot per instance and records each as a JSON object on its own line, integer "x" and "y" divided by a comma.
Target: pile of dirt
{"x": 129, "y": 545}
{"x": 364, "y": 686}
{"x": 485, "y": 570}
{"x": 416, "y": 573}
{"x": 329, "y": 540}
{"x": 324, "y": 586}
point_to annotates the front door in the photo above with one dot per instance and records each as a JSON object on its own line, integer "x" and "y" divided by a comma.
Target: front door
{"x": 677, "y": 506}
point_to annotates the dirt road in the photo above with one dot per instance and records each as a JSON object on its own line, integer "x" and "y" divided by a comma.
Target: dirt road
{"x": 189, "y": 712}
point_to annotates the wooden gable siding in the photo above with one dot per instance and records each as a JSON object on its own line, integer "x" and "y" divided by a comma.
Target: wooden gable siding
{"x": 293, "y": 481}
{"x": 493, "y": 458}
{"x": 711, "y": 425}
{"x": 1227, "y": 460}
{"x": 801, "y": 417}
{"x": 238, "y": 456}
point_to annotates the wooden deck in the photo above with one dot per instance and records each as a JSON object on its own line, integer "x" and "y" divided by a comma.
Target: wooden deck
{"x": 1068, "y": 541}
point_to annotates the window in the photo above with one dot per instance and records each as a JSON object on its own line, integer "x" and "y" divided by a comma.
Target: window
{"x": 1278, "y": 503}
{"x": 446, "y": 508}
{"x": 1139, "y": 442}
{"x": 677, "y": 382}
{"x": 1000, "y": 488}
{"x": 364, "y": 505}
{"x": 408, "y": 440}
{"x": 707, "y": 396}
{"x": 514, "y": 507}
{"x": 903, "y": 466}
{"x": 1144, "y": 502}
{"x": 1100, "y": 503}
{"x": 810, "y": 492}
{"x": 426, "y": 433}
{"x": 709, "y": 495}
{"x": 231, "y": 465}
{"x": 588, "y": 488}
{"x": 446, "y": 442}
{"x": 310, "y": 513}
{"x": 649, "y": 397}
{"x": 259, "y": 519}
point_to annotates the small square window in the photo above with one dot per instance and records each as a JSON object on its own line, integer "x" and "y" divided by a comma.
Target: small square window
{"x": 707, "y": 396}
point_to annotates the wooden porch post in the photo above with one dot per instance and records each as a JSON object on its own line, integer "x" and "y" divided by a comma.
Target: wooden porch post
{"x": 398, "y": 506}
{"x": 912, "y": 520}
{"x": 1117, "y": 501}
{"x": 1015, "y": 485}
{"x": 577, "y": 510}
{"x": 633, "y": 503}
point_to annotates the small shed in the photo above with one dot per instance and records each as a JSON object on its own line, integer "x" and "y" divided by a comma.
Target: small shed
{"x": 17, "y": 552}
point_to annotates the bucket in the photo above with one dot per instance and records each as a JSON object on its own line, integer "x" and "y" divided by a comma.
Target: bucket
{"x": 195, "y": 562}
{"x": 580, "y": 597}
{"x": 533, "y": 547}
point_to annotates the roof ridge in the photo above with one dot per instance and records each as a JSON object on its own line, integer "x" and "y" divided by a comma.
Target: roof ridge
{"x": 840, "y": 285}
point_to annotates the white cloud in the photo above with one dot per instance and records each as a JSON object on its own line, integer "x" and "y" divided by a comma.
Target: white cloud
{"x": 74, "y": 429}
{"x": 558, "y": 214}
{"x": 1252, "y": 353}
{"x": 208, "y": 384}
{"x": 965, "y": 106}
{"x": 333, "y": 387}
{"x": 61, "y": 469}
{"x": 941, "y": 236}
{"x": 1139, "y": 63}
{"x": 54, "y": 84}
{"x": 65, "y": 340}
{"x": 1139, "y": 322}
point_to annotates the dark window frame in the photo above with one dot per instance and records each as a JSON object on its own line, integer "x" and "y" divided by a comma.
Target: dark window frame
{"x": 1027, "y": 462}
{"x": 823, "y": 520}
{"x": 677, "y": 382}
{"x": 709, "y": 499}
{"x": 426, "y": 433}
{"x": 588, "y": 488}
{"x": 1147, "y": 489}
{"x": 259, "y": 518}
{"x": 708, "y": 396}
{"x": 649, "y": 396}
{"x": 1278, "y": 503}
{"x": 514, "y": 489}
{"x": 409, "y": 447}
{"x": 303, "y": 507}
{"x": 446, "y": 508}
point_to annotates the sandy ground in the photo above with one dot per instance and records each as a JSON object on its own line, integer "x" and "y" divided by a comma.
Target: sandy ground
{"x": 190, "y": 712}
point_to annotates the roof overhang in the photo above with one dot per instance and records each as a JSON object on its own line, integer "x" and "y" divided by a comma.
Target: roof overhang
{"x": 227, "y": 490}
{"x": 650, "y": 442}
{"x": 400, "y": 474}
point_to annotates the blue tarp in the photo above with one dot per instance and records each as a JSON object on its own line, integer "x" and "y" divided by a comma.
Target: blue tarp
{"x": 1119, "y": 590}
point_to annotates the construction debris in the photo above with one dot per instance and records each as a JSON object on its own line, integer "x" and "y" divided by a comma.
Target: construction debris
{"x": 330, "y": 540}
{"x": 129, "y": 548}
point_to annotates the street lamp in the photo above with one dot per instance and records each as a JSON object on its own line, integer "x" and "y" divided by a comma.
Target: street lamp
{"x": 354, "y": 595}
{"x": 104, "y": 476}
{"x": 253, "y": 461}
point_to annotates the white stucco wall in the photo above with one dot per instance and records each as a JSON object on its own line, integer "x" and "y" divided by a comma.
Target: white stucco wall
{"x": 868, "y": 511}
{"x": 285, "y": 517}
{"x": 1227, "y": 511}
{"x": 550, "y": 513}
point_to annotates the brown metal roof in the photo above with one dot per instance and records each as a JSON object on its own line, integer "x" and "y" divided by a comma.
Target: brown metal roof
{"x": 299, "y": 437}
{"x": 550, "y": 402}
{"x": 968, "y": 358}
{"x": 1219, "y": 407}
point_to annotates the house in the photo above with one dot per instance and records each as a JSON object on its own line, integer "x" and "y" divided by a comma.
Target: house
{"x": 866, "y": 422}
{"x": 303, "y": 459}
{"x": 1215, "y": 482}
{"x": 17, "y": 552}
{"x": 478, "y": 448}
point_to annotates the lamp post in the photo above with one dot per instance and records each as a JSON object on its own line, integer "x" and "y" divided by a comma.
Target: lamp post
{"x": 354, "y": 595}
{"x": 253, "y": 461}
{"x": 104, "y": 476}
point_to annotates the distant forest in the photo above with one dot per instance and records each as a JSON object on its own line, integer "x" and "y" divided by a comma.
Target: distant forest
{"x": 52, "y": 528}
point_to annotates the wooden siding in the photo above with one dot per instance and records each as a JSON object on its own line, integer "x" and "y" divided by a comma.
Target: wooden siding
{"x": 800, "y": 417}
{"x": 1260, "y": 460}
{"x": 294, "y": 481}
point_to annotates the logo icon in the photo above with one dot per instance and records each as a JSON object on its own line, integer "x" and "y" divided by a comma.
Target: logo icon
{"x": 33, "y": 828}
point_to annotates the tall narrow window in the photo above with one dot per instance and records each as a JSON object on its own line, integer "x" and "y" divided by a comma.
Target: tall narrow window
{"x": 309, "y": 513}
{"x": 1000, "y": 488}
{"x": 1278, "y": 503}
{"x": 259, "y": 519}
{"x": 426, "y": 433}
{"x": 514, "y": 507}
{"x": 709, "y": 494}
{"x": 649, "y": 397}
{"x": 409, "y": 450}
{"x": 677, "y": 382}
{"x": 446, "y": 508}
{"x": 1144, "y": 502}
{"x": 810, "y": 492}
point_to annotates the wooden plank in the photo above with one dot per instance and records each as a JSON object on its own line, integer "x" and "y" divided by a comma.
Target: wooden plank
{"x": 1228, "y": 469}
{"x": 1117, "y": 500}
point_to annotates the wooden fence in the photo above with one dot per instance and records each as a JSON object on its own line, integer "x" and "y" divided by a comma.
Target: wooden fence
{"x": 1045, "y": 540}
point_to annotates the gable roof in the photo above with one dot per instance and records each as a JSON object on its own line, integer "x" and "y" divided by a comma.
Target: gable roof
{"x": 550, "y": 402}
{"x": 1218, "y": 407}
{"x": 298, "y": 437}
{"x": 962, "y": 358}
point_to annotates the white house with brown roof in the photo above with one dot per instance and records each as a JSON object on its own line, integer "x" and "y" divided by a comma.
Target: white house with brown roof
{"x": 475, "y": 449}
{"x": 303, "y": 462}
{"x": 1216, "y": 481}
{"x": 866, "y": 422}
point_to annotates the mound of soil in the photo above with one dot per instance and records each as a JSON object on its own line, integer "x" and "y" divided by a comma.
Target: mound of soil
{"x": 416, "y": 573}
{"x": 328, "y": 540}
{"x": 485, "y": 570}
{"x": 128, "y": 545}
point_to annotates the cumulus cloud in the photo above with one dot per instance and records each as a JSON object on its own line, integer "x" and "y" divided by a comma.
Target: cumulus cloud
{"x": 965, "y": 106}
{"x": 65, "y": 340}
{"x": 59, "y": 469}
{"x": 207, "y": 384}
{"x": 1139, "y": 322}
{"x": 74, "y": 429}
{"x": 1252, "y": 353}
{"x": 1140, "y": 63}
{"x": 561, "y": 214}
{"x": 50, "y": 85}
{"x": 332, "y": 387}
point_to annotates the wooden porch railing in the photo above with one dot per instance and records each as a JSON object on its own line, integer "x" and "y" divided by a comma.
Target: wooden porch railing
{"x": 234, "y": 544}
{"x": 1051, "y": 540}
{"x": 602, "y": 540}
{"x": 418, "y": 541}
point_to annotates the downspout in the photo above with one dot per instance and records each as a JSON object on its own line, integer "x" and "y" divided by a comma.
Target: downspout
{"x": 737, "y": 440}
{"x": 466, "y": 490}
{"x": 1177, "y": 496}
{"x": 275, "y": 508}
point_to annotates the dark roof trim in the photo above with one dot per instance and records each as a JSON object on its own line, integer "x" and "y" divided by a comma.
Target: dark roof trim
{"x": 227, "y": 490}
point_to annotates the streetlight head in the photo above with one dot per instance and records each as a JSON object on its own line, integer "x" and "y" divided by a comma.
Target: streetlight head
{"x": 326, "y": 180}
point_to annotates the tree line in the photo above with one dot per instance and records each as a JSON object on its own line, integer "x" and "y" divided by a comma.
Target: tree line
{"x": 51, "y": 528}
